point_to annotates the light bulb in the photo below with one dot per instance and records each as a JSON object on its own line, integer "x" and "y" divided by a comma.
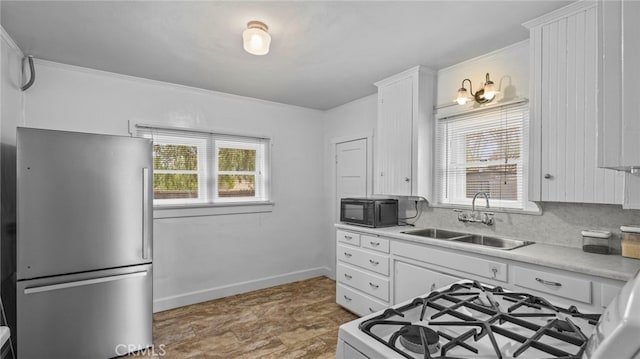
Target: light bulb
{"x": 462, "y": 96}
{"x": 256, "y": 39}
{"x": 489, "y": 90}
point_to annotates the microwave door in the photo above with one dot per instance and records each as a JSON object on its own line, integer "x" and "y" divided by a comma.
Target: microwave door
{"x": 354, "y": 212}
{"x": 388, "y": 214}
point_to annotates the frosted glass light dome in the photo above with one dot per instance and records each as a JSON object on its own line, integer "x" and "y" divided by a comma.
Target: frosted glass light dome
{"x": 256, "y": 39}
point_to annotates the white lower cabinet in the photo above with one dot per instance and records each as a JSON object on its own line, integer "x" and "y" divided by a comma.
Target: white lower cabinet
{"x": 380, "y": 272}
{"x": 553, "y": 283}
{"x": 411, "y": 280}
{"x": 362, "y": 272}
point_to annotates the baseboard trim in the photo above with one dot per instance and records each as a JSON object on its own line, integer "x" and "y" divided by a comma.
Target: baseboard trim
{"x": 181, "y": 300}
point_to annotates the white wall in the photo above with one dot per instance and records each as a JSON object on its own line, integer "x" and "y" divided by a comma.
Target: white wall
{"x": 353, "y": 120}
{"x": 11, "y": 101}
{"x": 200, "y": 258}
{"x": 508, "y": 69}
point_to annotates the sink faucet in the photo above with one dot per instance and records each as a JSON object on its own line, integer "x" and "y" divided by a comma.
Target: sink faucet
{"x": 487, "y": 217}
{"x": 473, "y": 202}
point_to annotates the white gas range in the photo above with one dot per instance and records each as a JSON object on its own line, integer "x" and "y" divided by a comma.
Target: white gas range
{"x": 473, "y": 320}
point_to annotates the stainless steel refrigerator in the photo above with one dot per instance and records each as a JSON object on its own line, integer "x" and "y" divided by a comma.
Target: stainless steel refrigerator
{"x": 84, "y": 244}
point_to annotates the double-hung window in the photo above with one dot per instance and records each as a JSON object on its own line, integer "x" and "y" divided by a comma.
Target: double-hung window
{"x": 199, "y": 167}
{"x": 483, "y": 151}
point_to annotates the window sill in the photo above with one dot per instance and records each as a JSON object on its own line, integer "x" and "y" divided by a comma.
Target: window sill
{"x": 532, "y": 209}
{"x": 210, "y": 209}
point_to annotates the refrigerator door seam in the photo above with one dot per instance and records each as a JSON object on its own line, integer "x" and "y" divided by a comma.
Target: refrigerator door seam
{"x": 79, "y": 283}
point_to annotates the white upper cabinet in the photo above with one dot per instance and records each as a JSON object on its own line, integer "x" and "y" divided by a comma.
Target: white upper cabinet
{"x": 404, "y": 137}
{"x": 564, "y": 110}
{"x": 619, "y": 119}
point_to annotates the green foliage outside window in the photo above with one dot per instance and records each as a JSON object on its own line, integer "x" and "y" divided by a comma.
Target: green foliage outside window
{"x": 175, "y": 158}
{"x": 236, "y": 160}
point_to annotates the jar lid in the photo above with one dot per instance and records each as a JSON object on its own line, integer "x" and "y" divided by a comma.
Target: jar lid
{"x": 596, "y": 234}
{"x": 633, "y": 228}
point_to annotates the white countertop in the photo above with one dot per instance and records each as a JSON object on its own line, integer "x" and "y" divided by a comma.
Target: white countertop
{"x": 611, "y": 266}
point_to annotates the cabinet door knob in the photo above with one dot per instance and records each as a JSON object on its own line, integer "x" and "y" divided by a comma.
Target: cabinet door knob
{"x": 407, "y": 179}
{"x": 547, "y": 176}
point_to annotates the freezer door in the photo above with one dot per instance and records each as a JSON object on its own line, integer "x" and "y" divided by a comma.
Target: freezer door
{"x": 92, "y": 315}
{"x": 84, "y": 202}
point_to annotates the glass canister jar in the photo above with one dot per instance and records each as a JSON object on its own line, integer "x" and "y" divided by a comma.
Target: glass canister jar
{"x": 630, "y": 241}
{"x": 594, "y": 241}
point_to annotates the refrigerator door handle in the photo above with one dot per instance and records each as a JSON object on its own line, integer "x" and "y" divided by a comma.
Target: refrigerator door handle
{"x": 145, "y": 209}
{"x": 80, "y": 283}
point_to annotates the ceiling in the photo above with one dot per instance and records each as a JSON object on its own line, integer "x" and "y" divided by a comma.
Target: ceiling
{"x": 323, "y": 54}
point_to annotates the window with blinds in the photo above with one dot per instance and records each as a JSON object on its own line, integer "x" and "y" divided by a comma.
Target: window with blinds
{"x": 483, "y": 151}
{"x": 195, "y": 167}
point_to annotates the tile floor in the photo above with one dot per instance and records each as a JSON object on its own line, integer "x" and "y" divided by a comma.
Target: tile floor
{"x": 296, "y": 320}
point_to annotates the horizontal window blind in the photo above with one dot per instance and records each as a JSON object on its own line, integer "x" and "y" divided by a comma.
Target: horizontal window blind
{"x": 483, "y": 151}
{"x": 192, "y": 166}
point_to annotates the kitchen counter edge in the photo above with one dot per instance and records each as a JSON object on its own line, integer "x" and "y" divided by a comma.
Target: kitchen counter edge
{"x": 566, "y": 258}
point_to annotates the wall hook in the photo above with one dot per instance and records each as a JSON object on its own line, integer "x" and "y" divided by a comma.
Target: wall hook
{"x": 32, "y": 70}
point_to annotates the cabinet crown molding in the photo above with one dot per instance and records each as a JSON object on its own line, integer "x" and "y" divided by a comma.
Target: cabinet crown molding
{"x": 560, "y": 13}
{"x": 404, "y": 74}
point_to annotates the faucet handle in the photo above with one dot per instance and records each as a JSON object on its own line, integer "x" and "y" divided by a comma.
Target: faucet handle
{"x": 488, "y": 218}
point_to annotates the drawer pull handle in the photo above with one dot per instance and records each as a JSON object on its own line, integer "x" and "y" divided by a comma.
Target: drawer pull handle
{"x": 371, "y": 310}
{"x": 376, "y": 286}
{"x": 375, "y": 263}
{"x": 348, "y": 238}
{"x": 374, "y": 244}
{"x": 348, "y": 255}
{"x": 347, "y": 298}
{"x": 348, "y": 276}
{"x": 546, "y": 282}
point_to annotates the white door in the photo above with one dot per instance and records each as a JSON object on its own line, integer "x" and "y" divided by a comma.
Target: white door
{"x": 351, "y": 169}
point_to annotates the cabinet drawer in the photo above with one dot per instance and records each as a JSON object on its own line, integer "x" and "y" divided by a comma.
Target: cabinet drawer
{"x": 356, "y": 302}
{"x": 378, "y": 263}
{"x": 460, "y": 262}
{"x": 375, "y": 243}
{"x": 348, "y": 237}
{"x": 556, "y": 284}
{"x": 363, "y": 281}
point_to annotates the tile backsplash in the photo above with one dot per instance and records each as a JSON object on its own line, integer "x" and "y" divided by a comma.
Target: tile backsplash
{"x": 559, "y": 224}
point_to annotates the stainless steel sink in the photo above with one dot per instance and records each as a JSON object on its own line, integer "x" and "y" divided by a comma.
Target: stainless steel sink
{"x": 436, "y": 233}
{"x": 499, "y": 243}
{"x": 474, "y": 239}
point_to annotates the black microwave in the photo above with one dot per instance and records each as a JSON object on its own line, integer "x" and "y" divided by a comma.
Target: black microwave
{"x": 369, "y": 212}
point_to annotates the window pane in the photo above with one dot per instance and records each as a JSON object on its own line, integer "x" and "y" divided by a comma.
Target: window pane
{"x": 493, "y": 145}
{"x": 175, "y": 157}
{"x": 499, "y": 182}
{"x": 173, "y": 185}
{"x": 236, "y": 185}
{"x": 236, "y": 159}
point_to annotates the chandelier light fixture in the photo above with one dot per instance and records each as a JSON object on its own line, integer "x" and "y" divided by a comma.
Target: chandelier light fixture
{"x": 256, "y": 39}
{"x": 486, "y": 94}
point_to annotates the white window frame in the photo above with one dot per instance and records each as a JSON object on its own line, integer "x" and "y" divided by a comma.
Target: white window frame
{"x": 201, "y": 144}
{"x": 208, "y": 203}
{"x": 453, "y": 193}
{"x": 258, "y": 174}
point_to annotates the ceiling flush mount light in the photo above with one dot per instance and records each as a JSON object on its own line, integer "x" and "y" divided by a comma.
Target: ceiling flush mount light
{"x": 484, "y": 95}
{"x": 256, "y": 39}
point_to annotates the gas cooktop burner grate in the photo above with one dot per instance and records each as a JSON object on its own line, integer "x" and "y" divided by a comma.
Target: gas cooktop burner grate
{"x": 463, "y": 299}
